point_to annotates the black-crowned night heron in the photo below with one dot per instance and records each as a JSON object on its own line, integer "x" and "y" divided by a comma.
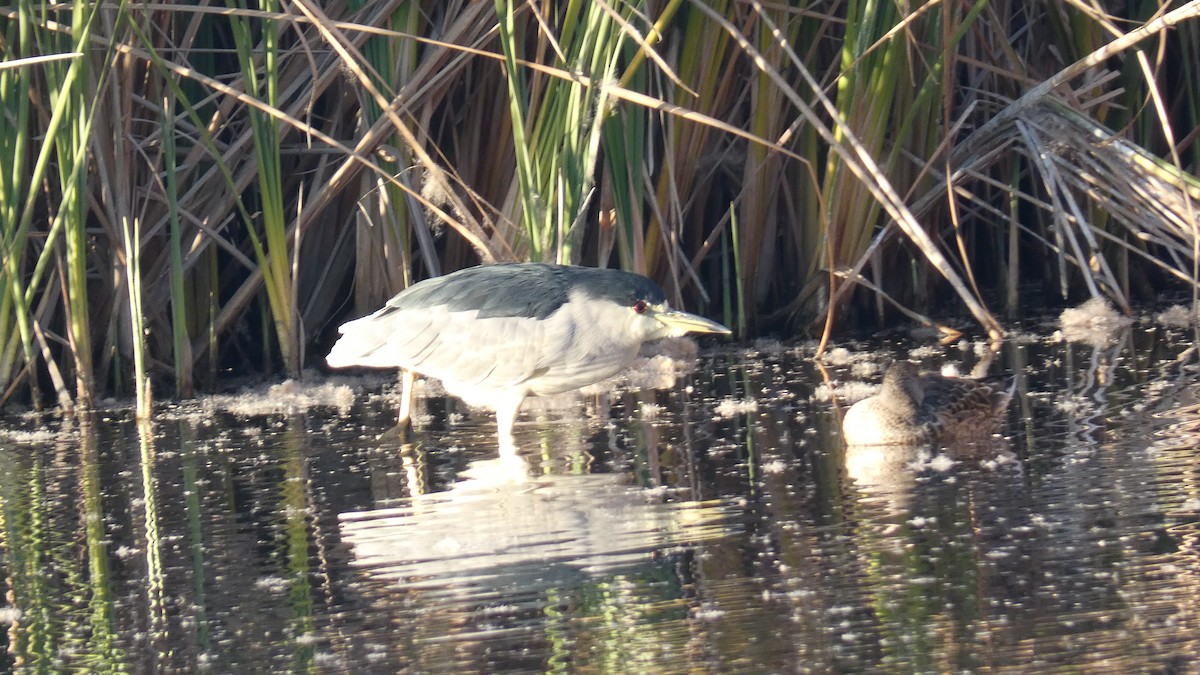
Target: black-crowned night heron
{"x": 915, "y": 408}
{"x": 496, "y": 334}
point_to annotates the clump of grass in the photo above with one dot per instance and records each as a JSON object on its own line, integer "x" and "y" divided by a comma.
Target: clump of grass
{"x": 557, "y": 120}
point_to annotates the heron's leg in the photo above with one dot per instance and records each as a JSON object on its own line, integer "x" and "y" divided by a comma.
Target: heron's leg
{"x": 407, "y": 378}
{"x": 506, "y": 416}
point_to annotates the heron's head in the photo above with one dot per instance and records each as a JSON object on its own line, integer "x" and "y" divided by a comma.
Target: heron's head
{"x": 634, "y": 305}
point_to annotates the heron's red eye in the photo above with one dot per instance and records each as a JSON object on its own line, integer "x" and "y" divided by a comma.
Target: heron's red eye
{"x": 640, "y": 306}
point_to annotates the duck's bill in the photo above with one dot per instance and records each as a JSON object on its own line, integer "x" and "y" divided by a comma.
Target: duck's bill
{"x": 683, "y": 322}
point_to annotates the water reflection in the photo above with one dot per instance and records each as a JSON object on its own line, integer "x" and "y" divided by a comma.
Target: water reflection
{"x": 891, "y": 474}
{"x": 502, "y": 562}
{"x": 499, "y": 530}
{"x": 719, "y": 526}
{"x": 941, "y": 533}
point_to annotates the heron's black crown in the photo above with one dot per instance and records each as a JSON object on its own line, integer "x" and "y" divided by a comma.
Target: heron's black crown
{"x": 534, "y": 290}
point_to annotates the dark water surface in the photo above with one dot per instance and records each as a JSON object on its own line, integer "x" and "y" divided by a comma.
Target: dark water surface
{"x": 719, "y": 526}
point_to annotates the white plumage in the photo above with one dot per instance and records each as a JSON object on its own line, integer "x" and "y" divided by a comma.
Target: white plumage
{"x": 496, "y": 334}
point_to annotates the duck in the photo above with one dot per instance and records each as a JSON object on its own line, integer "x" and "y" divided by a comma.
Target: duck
{"x": 916, "y": 408}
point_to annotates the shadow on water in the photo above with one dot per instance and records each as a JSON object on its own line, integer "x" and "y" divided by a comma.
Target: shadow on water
{"x": 718, "y": 526}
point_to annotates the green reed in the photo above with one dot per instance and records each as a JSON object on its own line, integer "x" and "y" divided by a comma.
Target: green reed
{"x": 271, "y": 247}
{"x": 16, "y": 191}
{"x": 181, "y": 346}
{"x": 557, "y": 121}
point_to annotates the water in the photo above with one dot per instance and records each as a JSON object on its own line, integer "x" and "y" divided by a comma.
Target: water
{"x": 718, "y": 526}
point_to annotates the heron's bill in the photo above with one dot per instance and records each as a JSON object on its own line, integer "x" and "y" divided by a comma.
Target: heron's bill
{"x": 683, "y": 322}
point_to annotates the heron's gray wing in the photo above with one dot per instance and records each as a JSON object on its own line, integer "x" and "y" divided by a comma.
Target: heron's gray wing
{"x": 492, "y": 353}
{"x": 493, "y": 291}
{"x": 422, "y": 316}
{"x": 385, "y": 339}
{"x": 456, "y": 347}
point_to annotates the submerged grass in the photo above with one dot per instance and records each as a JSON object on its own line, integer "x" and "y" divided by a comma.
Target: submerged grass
{"x": 188, "y": 189}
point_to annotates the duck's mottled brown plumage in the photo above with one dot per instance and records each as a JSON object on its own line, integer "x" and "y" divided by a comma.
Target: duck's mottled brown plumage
{"x": 913, "y": 408}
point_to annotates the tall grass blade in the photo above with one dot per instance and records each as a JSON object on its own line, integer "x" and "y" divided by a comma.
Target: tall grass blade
{"x": 557, "y": 141}
{"x": 131, "y": 235}
{"x": 271, "y": 249}
{"x": 181, "y": 343}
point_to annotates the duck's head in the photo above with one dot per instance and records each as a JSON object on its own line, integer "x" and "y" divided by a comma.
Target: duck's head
{"x": 902, "y": 383}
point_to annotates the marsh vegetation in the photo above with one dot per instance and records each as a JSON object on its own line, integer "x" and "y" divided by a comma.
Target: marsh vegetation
{"x": 189, "y": 190}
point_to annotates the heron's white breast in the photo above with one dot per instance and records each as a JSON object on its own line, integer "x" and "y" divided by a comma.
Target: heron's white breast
{"x": 587, "y": 341}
